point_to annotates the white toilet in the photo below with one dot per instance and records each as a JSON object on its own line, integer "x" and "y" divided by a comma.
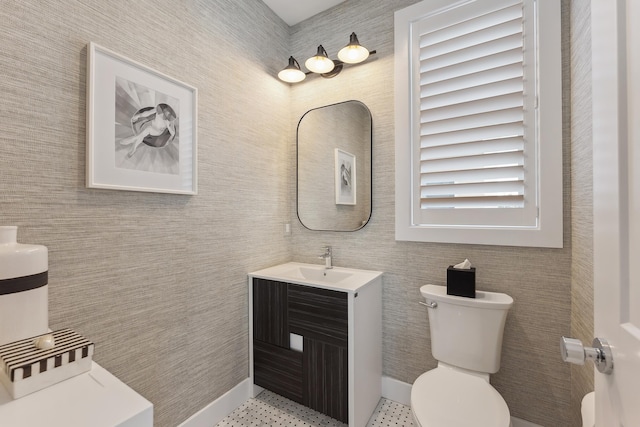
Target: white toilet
{"x": 466, "y": 340}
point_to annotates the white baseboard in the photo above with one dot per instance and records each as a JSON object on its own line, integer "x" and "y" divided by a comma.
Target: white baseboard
{"x": 397, "y": 391}
{"x": 400, "y": 392}
{"x": 217, "y": 410}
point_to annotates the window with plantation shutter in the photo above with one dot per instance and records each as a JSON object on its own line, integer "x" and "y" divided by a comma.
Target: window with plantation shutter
{"x": 478, "y": 122}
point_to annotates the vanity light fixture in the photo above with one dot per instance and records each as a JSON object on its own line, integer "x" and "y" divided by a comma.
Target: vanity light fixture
{"x": 320, "y": 63}
{"x": 292, "y": 73}
{"x": 353, "y": 53}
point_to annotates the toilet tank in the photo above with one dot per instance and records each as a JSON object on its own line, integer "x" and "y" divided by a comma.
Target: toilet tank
{"x": 467, "y": 332}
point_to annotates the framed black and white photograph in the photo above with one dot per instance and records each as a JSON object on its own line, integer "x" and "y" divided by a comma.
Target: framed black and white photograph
{"x": 345, "y": 177}
{"x": 141, "y": 127}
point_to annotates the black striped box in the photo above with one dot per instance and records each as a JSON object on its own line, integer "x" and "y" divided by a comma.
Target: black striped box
{"x": 24, "y": 368}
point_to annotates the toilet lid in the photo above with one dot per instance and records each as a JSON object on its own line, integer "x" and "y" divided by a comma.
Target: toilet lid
{"x": 446, "y": 397}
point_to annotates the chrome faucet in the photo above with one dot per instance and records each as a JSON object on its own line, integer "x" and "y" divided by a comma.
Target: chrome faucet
{"x": 327, "y": 257}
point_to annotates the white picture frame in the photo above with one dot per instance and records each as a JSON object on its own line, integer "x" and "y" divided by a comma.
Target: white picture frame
{"x": 141, "y": 127}
{"x": 345, "y": 177}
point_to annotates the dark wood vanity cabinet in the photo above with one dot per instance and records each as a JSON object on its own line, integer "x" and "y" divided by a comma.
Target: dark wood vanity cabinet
{"x": 318, "y": 344}
{"x": 317, "y": 377}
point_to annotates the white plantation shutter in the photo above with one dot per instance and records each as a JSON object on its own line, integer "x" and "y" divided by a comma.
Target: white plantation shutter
{"x": 474, "y": 121}
{"x": 473, "y": 130}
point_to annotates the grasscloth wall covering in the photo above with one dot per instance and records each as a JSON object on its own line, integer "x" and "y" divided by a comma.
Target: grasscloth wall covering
{"x": 157, "y": 281}
{"x": 581, "y": 200}
{"x": 533, "y": 379}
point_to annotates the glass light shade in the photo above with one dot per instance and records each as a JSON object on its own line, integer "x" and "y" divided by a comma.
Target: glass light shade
{"x": 320, "y": 63}
{"x": 353, "y": 53}
{"x": 292, "y": 73}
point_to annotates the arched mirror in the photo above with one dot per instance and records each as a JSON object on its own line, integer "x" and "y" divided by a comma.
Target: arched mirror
{"x": 334, "y": 167}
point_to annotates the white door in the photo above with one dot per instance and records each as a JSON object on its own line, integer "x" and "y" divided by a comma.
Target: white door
{"x": 616, "y": 192}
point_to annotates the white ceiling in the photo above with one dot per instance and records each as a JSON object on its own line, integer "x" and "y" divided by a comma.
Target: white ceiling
{"x": 294, "y": 11}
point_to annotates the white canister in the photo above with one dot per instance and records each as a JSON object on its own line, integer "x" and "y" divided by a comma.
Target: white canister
{"x": 24, "y": 293}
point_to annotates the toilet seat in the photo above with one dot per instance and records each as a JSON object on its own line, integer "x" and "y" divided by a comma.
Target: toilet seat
{"x": 445, "y": 397}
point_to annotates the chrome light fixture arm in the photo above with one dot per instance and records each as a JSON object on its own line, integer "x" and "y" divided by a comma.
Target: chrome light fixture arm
{"x": 338, "y": 66}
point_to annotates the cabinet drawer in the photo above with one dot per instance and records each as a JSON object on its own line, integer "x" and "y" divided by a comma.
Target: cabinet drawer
{"x": 278, "y": 369}
{"x": 319, "y": 314}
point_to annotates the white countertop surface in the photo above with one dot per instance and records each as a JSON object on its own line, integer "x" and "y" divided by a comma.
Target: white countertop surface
{"x": 95, "y": 398}
{"x": 290, "y": 272}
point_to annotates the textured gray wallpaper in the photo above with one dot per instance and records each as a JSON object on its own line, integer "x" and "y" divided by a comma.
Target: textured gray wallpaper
{"x": 533, "y": 380}
{"x": 157, "y": 281}
{"x": 581, "y": 200}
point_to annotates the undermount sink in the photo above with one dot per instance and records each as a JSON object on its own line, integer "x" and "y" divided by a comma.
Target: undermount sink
{"x": 347, "y": 279}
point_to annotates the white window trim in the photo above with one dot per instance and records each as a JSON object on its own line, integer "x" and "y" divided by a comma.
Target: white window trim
{"x": 549, "y": 229}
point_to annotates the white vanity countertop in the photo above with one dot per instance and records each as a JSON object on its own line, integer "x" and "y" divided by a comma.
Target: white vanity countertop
{"x": 337, "y": 278}
{"x": 95, "y": 398}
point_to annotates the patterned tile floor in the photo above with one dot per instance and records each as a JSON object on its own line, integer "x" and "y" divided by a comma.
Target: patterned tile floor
{"x": 268, "y": 409}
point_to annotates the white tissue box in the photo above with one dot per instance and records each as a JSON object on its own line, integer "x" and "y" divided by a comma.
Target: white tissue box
{"x": 24, "y": 368}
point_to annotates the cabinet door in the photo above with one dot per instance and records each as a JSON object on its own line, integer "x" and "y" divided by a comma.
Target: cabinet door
{"x": 326, "y": 379}
{"x": 270, "y": 315}
{"x": 319, "y": 314}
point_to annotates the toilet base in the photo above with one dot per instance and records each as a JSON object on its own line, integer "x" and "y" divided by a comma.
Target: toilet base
{"x": 588, "y": 410}
{"x": 416, "y": 423}
{"x": 449, "y": 397}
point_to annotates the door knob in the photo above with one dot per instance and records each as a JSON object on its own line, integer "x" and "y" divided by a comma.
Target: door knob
{"x": 573, "y": 351}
